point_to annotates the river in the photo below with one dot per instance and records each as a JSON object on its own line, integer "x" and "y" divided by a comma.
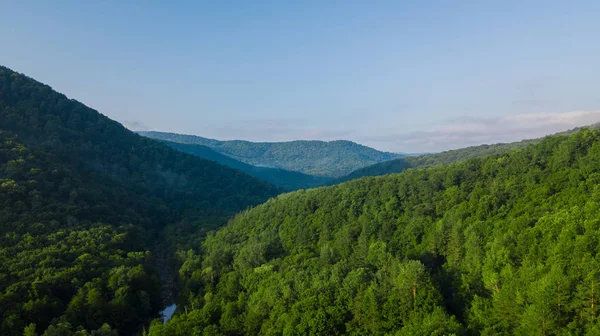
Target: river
{"x": 167, "y": 313}
{"x": 167, "y": 281}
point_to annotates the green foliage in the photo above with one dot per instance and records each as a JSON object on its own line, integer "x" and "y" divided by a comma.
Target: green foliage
{"x": 383, "y": 168}
{"x": 506, "y": 245}
{"x": 317, "y": 158}
{"x": 82, "y": 201}
{"x": 60, "y": 239}
{"x": 89, "y": 142}
{"x": 286, "y": 179}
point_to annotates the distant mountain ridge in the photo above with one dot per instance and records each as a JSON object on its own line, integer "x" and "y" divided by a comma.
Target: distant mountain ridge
{"x": 503, "y": 245}
{"x": 319, "y": 158}
{"x": 286, "y": 179}
{"x": 447, "y": 157}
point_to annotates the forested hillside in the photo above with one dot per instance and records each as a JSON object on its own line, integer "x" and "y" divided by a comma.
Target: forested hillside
{"x": 286, "y": 179}
{"x": 427, "y": 160}
{"x": 319, "y": 158}
{"x": 506, "y": 245}
{"x": 82, "y": 200}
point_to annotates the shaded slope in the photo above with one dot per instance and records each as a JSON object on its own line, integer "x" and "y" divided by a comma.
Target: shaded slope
{"x": 91, "y": 142}
{"x": 82, "y": 200}
{"x": 319, "y": 158}
{"x": 288, "y": 180}
{"x": 63, "y": 236}
{"x": 502, "y": 245}
{"x": 383, "y": 168}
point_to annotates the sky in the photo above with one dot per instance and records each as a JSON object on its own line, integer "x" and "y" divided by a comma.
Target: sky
{"x": 402, "y": 76}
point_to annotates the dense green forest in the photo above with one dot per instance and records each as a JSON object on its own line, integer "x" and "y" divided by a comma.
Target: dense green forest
{"x": 83, "y": 201}
{"x": 68, "y": 249}
{"x": 293, "y": 180}
{"x": 488, "y": 240}
{"x": 503, "y": 245}
{"x": 318, "y": 158}
{"x": 286, "y": 179}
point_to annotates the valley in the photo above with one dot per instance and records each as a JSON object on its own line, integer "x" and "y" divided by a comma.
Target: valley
{"x": 499, "y": 245}
{"x": 132, "y": 222}
{"x": 291, "y": 168}
{"x": 107, "y": 232}
{"x": 83, "y": 201}
{"x": 317, "y": 158}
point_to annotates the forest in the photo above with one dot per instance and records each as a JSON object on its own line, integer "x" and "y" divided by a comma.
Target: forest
{"x": 489, "y": 240}
{"x": 317, "y": 158}
{"x": 83, "y": 203}
{"x": 287, "y": 180}
{"x": 503, "y": 245}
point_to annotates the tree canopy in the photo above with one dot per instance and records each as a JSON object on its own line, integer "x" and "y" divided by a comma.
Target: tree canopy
{"x": 286, "y": 179}
{"x": 504, "y": 245}
{"x": 318, "y": 158}
{"x": 82, "y": 203}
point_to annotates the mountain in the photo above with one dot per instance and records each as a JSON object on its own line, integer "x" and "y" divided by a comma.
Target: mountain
{"x": 83, "y": 203}
{"x": 400, "y": 164}
{"x": 318, "y": 158}
{"x": 288, "y": 180}
{"x": 502, "y": 245}
{"x": 426, "y": 160}
{"x": 382, "y": 168}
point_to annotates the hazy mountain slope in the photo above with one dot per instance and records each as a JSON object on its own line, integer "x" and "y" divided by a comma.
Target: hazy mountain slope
{"x": 447, "y": 157}
{"x": 89, "y": 141}
{"x": 506, "y": 245}
{"x": 81, "y": 200}
{"x": 382, "y": 168}
{"x": 319, "y": 158}
{"x": 288, "y": 180}
{"x": 451, "y": 156}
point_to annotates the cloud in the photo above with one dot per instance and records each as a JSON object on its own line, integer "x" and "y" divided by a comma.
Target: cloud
{"x": 469, "y": 131}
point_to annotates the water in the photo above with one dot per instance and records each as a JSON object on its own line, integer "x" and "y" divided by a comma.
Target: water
{"x": 167, "y": 313}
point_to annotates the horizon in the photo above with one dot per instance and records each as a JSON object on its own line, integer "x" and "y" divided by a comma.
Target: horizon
{"x": 271, "y": 142}
{"x": 475, "y": 144}
{"x": 358, "y": 143}
{"x": 409, "y": 77}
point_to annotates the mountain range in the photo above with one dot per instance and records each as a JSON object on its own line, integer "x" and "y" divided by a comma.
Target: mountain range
{"x": 290, "y": 180}
{"x": 286, "y": 179}
{"x": 502, "y": 245}
{"x": 317, "y": 158}
{"x": 101, "y": 228}
{"x": 452, "y": 156}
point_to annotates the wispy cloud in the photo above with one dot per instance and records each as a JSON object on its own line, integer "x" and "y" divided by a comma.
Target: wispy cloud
{"x": 470, "y": 131}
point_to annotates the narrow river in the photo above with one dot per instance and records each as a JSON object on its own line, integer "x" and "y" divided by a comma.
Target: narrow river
{"x": 167, "y": 313}
{"x": 167, "y": 280}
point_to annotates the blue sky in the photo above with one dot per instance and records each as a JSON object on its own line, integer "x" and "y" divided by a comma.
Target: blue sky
{"x": 406, "y": 76}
